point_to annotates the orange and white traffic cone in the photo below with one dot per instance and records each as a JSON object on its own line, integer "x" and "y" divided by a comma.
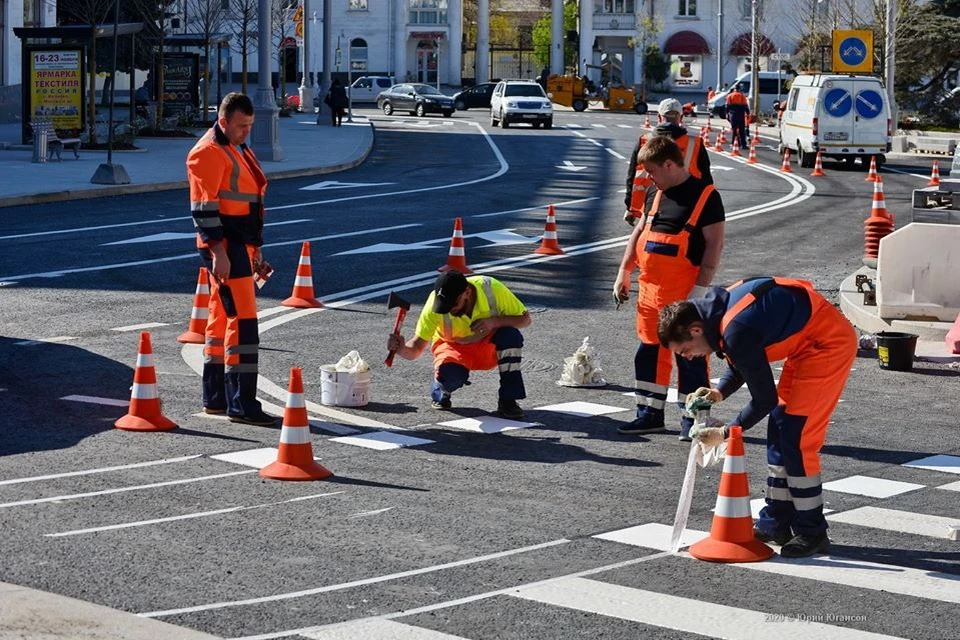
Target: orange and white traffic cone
{"x": 549, "y": 245}
{"x": 752, "y": 157}
{"x": 934, "y": 174}
{"x": 735, "y": 150}
{"x": 818, "y": 166}
{"x": 295, "y": 455}
{"x": 709, "y": 126}
{"x": 756, "y": 133}
{"x": 731, "y": 535}
{"x": 718, "y": 146}
{"x": 196, "y": 330}
{"x": 646, "y": 121}
{"x": 302, "y": 296}
{"x": 457, "y": 258}
{"x": 785, "y": 166}
{"x": 144, "y": 413}
{"x": 879, "y": 225}
{"x": 872, "y": 176}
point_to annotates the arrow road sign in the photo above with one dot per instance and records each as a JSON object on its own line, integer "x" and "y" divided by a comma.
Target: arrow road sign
{"x": 569, "y": 166}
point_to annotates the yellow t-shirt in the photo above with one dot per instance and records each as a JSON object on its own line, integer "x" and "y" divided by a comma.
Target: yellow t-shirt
{"x": 430, "y": 324}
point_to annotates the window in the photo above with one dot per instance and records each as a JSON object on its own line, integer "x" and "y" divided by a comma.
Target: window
{"x": 32, "y": 13}
{"x": 793, "y": 99}
{"x": 357, "y": 5}
{"x": 746, "y": 7}
{"x": 358, "y": 54}
{"x": 612, "y": 6}
{"x": 687, "y": 8}
{"x": 428, "y": 11}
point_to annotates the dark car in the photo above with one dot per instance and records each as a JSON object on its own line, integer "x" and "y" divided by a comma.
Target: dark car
{"x": 418, "y": 99}
{"x": 477, "y": 96}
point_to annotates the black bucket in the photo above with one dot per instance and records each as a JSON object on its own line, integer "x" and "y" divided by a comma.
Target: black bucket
{"x": 895, "y": 350}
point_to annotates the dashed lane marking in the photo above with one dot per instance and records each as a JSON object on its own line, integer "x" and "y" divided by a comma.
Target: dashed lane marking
{"x": 382, "y": 440}
{"x": 871, "y": 487}
{"x": 582, "y": 409}
{"x": 140, "y": 327}
{"x": 488, "y": 424}
{"x": 920, "y": 524}
{"x": 944, "y": 463}
{"x": 86, "y": 472}
{"x": 110, "y": 402}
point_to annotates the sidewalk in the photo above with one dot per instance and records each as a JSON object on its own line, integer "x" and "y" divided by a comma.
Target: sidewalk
{"x": 308, "y": 149}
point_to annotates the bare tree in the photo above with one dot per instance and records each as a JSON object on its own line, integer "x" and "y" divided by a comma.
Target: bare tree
{"x": 90, "y": 13}
{"x": 282, "y": 14}
{"x": 156, "y": 26}
{"x": 209, "y": 19}
{"x": 243, "y": 18}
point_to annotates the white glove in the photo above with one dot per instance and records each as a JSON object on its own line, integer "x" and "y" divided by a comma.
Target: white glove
{"x": 702, "y": 398}
{"x": 709, "y": 437}
{"x": 698, "y": 292}
{"x": 629, "y": 218}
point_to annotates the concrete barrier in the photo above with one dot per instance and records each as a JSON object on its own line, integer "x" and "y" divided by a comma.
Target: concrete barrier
{"x": 927, "y": 144}
{"x": 917, "y": 273}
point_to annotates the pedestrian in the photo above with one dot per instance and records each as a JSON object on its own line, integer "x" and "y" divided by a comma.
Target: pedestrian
{"x": 473, "y": 324}
{"x": 677, "y": 248}
{"x": 337, "y": 101}
{"x": 542, "y": 78}
{"x": 710, "y": 94}
{"x": 696, "y": 159}
{"x": 752, "y": 323}
{"x": 227, "y": 188}
{"x": 737, "y": 112}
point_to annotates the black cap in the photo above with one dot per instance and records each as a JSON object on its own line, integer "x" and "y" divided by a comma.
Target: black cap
{"x": 448, "y": 288}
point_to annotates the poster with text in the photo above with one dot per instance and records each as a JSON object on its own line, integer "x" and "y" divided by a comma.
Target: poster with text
{"x": 181, "y": 83}
{"x": 686, "y": 71}
{"x": 56, "y": 87}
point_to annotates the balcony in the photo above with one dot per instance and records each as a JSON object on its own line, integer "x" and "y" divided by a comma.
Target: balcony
{"x": 614, "y": 22}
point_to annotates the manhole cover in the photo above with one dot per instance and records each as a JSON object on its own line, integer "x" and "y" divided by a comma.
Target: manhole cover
{"x": 537, "y": 365}
{"x": 535, "y": 308}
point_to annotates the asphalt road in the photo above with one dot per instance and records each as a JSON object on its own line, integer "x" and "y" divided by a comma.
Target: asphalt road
{"x": 470, "y": 534}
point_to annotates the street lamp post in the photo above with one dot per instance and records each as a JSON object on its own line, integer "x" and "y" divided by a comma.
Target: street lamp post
{"x": 349, "y": 79}
{"x": 265, "y": 135}
{"x": 110, "y": 173}
{"x": 306, "y": 82}
{"x": 719, "y": 44}
{"x": 754, "y": 60}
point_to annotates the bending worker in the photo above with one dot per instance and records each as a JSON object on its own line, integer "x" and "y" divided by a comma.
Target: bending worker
{"x": 737, "y": 111}
{"x": 677, "y": 252}
{"x": 474, "y": 324}
{"x": 227, "y": 188}
{"x": 695, "y": 158}
{"x": 752, "y": 323}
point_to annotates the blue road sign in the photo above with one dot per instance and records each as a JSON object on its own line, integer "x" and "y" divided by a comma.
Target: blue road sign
{"x": 869, "y": 104}
{"x": 853, "y": 51}
{"x": 838, "y": 102}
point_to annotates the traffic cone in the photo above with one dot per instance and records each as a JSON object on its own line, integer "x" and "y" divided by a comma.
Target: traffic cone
{"x": 872, "y": 176}
{"x": 144, "y": 413}
{"x": 731, "y": 535}
{"x": 646, "y": 121}
{"x": 934, "y": 174}
{"x": 295, "y": 455}
{"x": 302, "y": 296}
{"x": 456, "y": 258}
{"x": 785, "y": 167}
{"x": 818, "y": 167}
{"x": 756, "y": 133}
{"x": 709, "y": 126}
{"x": 735, "y": 150}
{"x": 752, "y": 157}
{"x": 549, "y": 245}
{"x": 196, "y": 330}
{"x": 878, "y": 226}
{"x": 718, "y": 146}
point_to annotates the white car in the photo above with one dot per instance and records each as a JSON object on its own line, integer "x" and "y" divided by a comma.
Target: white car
{"x": 515, "y": 101}
{"x": 367, "y": 88}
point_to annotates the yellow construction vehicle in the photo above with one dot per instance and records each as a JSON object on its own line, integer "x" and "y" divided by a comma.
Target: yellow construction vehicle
{"x": 571, "y": 91}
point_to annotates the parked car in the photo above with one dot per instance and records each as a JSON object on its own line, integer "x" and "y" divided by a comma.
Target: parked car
{"x": 417, "y": 99}
{"x": 717, "y": 106}
{"x": 520, "y": 101}
{"x": 367, "y": 88}
{"x": 477, "y": 96}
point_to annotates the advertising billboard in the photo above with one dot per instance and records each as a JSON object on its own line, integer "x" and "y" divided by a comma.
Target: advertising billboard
{"x": 686, "y": 70}
{"x": 54, "y": 87}
{"x": 181, "y": 83}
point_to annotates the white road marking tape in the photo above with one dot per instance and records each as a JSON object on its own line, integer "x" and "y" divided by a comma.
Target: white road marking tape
{"x": 139, "y": 327}
{"x": 652, "y": 535}
{"x": 487, "y": 424}
{"x": 871, "y": 487}
{"x": 356, "y": 583}
{"x": 33, "y": 343}
{"x": 256, "y": 458}
{"x": 584, "y": 409}
{"x": 382, "y": 440}
{"x": 87, "y": 472}
{"x": 90, "y": 494}
{"x": 903, "y": 521}
{"x": 367, "y": 514}
{"x": 186, "y": 516}
{"x": 377, "y": 629}
{"x": 564, "y": 203}
{"x": 110, "y": 402}
{"x": 947, "y": 464}
{"x": 688, "y": 615}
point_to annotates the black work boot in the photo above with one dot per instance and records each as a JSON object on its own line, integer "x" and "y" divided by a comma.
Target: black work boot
{"x": 509, "y": 409}
{"x": 648, "y": 423}
{"x": 804, "y": 546}
{"x": 778, "y": 538}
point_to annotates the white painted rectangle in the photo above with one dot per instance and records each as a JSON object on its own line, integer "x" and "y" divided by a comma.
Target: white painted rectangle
{"x": 683, "y": 614}
{"x": 377, "y": 629}
{"x": 140, "y": 327}
{"x": 583, "y": 409}
{"x": 953, "y": 486}
{"x": 110, "y": 402}
{"x": 256, "y": 458}
{"x": 652, "y": 536}
{"x": 488, "y": 424}
{"x": 382, "y": 440}
{"x": 871, "y": 487}
{"x": 947, "y": 464}
{"x": 903, "y": 521}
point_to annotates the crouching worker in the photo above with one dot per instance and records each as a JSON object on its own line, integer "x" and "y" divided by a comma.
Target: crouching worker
{"x": 752, "y": 323}
{"x": 474, "y": 324}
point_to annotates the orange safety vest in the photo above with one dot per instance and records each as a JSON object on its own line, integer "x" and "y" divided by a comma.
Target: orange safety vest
{"x": 641, "y": 179}
{"x": 737, "y": 97}
{"x": 227, "y": 188}
{"x": 666, "y": 274}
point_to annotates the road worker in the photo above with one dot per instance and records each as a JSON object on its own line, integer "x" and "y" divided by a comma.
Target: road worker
{"x": 737, "y": 112}
{"x": 696, "y": 158}
{"x": 227, "y": 189}
{"x": 473, "y": 324}
{"x": 677, "y": 250}
{"x": 752, "y": 323}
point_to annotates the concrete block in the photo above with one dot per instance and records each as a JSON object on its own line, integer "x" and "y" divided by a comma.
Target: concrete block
{"x": 916, "y": 273}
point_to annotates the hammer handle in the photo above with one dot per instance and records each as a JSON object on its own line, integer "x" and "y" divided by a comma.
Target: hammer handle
{"x": 401, "y": 314}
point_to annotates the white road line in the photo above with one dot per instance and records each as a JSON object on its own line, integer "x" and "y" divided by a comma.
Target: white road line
{"x": 87, "y": 472}
{"x": 870, "y": 486}
{"x": 138, "y": 327}
{"x": 110, "y": 402}
{"x": 377, "y": 629}
{"x": 356, "y": 583}
{"x": 180, "y": 220}
{"x": 683, "y": 614}
{"x": 902, "y": 521}
{"x": 187, "y": 516}
{"x": 535, "y": 208}
{"x": 90, "y": 494}
{"x": 615, "y": 154}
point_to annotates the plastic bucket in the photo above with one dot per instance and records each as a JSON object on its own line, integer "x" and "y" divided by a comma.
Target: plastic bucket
{"x": 895, "y": 350}
{"x": 343, "y": 388}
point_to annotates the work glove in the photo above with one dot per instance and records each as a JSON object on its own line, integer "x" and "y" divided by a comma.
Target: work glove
{"x": 697, "y": 292}
{"x": 709, "y": 437}
{"x": 702, "y": 398}
{"x": 629, "y": 218}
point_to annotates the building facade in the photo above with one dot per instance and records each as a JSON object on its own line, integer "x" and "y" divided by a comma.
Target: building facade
{"x": 14, "y": 14}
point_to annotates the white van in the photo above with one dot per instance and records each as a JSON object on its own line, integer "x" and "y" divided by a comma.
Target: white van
{"x": 842, "y": 116}
{"x": 768, "y": 92}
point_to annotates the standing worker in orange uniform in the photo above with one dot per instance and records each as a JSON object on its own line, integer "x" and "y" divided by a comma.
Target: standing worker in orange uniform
{"x": 677, "y": 248}
{"x": 227, "y": 188}
{"x": 753, "y": 323}
{"x": 737, "y": 112}
{"x": 695, "y": 158}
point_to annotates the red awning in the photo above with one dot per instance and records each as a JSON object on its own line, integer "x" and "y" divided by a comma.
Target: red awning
{"x": 686, "y": 42}
{"x": 741, "y": 45}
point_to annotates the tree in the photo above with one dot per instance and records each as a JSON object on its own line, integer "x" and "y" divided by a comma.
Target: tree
{"x": 656, "y": 67}
{"x": 241, "y": 27}
{"x": 91, "y": 13}
{"x": 209, "y": 18}
{"x": 543, "y": 35}
{"x": 281, "y": 13}
{"x": 156, "y": 23}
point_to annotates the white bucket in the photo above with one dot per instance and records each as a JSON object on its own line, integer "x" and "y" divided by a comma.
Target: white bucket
{"x": 343, "y": 388}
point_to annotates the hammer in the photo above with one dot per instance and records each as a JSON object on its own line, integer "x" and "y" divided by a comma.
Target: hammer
{"x": 402, "y": 306}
